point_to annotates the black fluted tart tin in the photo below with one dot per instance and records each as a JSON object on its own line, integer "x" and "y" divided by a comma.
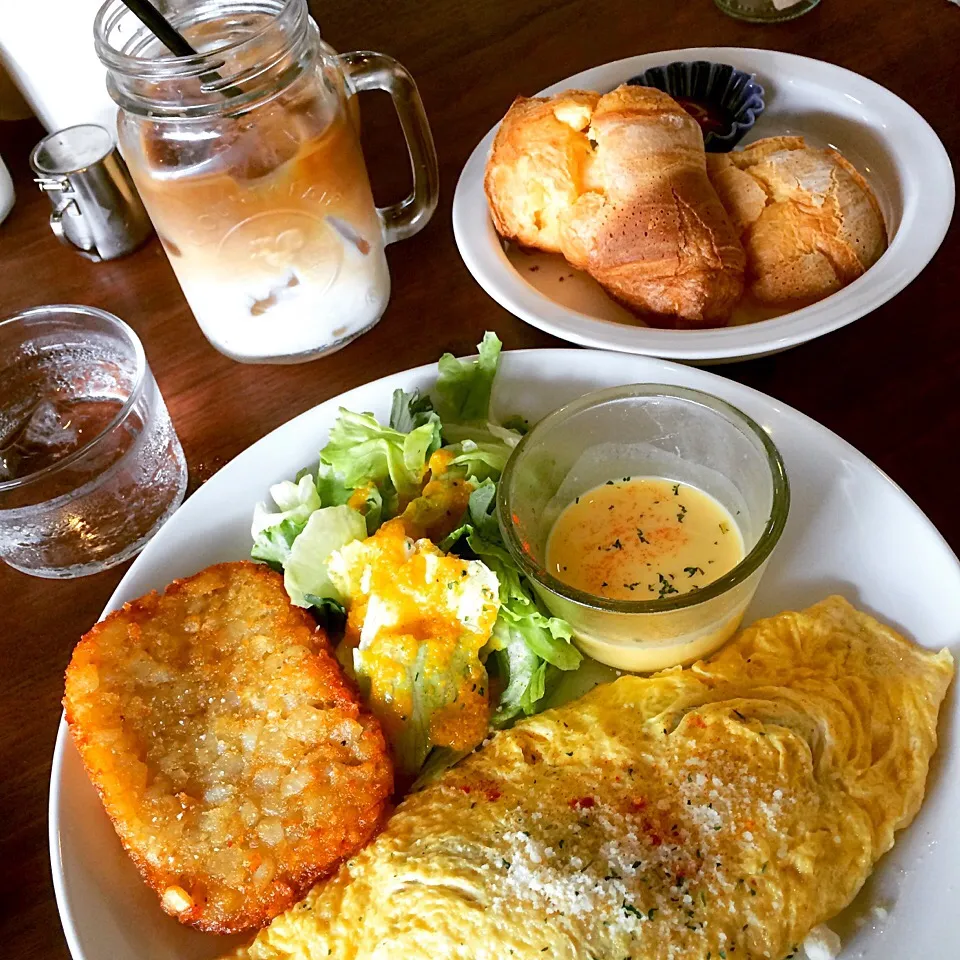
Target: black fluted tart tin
{"x": 725, "y": 101}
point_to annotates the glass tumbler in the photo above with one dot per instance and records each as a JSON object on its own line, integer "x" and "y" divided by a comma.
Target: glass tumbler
{"x": 248, "y": 161}
{"x": 646, "y": 430}
{"x": 90, "y": 465}
{"x": 766, "y": 11}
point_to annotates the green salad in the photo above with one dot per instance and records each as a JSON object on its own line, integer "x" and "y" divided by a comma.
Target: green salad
{"x": 430, "y": 478}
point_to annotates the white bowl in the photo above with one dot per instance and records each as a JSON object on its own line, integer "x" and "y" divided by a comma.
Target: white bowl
{"x": 885, "y": 138}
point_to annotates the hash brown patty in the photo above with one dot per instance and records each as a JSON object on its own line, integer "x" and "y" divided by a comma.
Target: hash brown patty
{"x": 231, "y": 754}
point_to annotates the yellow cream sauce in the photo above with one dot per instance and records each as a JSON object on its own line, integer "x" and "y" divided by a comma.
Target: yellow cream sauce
{"x": 643, "y": 538}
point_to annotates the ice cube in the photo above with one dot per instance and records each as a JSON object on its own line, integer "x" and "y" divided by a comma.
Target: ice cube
{"x": 49, "y": 426}
{"x": 349, "y": 233}
{"x": 173, "y": 148}
{"x": 265, "y": 140}
{"x": 310, "y": 106}
{"x": 43, "y": 436}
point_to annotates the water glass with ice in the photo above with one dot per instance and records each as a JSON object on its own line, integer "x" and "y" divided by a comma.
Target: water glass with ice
{"x": 90, "y": 465}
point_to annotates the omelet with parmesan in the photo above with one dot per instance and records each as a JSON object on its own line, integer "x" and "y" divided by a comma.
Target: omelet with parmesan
{"x": 417, "y": 621}
{"x": 717, "y": 812}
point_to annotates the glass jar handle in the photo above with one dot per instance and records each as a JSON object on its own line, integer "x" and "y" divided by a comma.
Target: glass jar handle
{"x": 365, "y": 70}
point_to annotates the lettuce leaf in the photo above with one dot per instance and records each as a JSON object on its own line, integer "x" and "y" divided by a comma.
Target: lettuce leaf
{"x": 363, "y": 452}
{"x": 481, "y": 518}
{"x": 481, "y": 431}
{"x": 375, "y": 468}
{"x": 373, "y": 509}
{"x": 410, "y": 410}
{"x": 527, "y": 644}
{"x": 548, "y": 637}
{"x": 420, "y": 669}
{"x": 274, "y": 532}
{"x": 412, "y": 743}
{"x": 464, "y": 386}
{"x": 331, "y": 488}
{"x": 439, "y": 759}
{"x": 429, "y": 691}
{"x": 479, "y": 461}
{"x": 524, "y": 671}
{"x": 526, "y": 641}
{"x": 305, "y": 573}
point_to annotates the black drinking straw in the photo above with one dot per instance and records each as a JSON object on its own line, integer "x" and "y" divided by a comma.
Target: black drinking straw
{"x": 157, "y": 24}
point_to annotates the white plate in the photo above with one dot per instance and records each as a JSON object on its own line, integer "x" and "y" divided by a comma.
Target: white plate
{"x": 888, "y": 141}
{"x": 850, "y": 530}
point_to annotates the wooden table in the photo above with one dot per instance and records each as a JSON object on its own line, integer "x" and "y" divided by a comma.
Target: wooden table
{"x": 887, "y": 383}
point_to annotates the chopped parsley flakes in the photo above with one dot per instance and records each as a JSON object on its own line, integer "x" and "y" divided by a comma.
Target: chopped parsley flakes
{"x": 666, "y": 587}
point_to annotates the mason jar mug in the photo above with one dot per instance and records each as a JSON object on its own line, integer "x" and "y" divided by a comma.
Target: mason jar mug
{"x": 248, "y": 161}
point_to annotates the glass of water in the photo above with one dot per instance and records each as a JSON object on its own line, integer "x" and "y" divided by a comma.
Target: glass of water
{"x": 90, "y": 465}
{"x": 766, "y": 11}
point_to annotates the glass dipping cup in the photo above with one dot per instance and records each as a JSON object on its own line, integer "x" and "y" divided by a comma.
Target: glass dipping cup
{"x": 646, "y": 430}
{"x": 78, "y": 398}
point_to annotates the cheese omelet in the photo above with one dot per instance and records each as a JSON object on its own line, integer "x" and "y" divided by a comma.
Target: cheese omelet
{"x": 717, "y": 812}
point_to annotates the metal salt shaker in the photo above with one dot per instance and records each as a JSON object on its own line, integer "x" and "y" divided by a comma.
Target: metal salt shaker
{"x": 96, "y": 207}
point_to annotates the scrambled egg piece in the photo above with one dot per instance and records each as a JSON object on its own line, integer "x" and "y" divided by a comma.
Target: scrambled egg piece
{"x": 718, "y": 811}
{"x": 416, "y": 624}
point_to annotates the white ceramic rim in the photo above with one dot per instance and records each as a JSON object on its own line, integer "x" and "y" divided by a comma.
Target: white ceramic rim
{"x": 923, "y": 225}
